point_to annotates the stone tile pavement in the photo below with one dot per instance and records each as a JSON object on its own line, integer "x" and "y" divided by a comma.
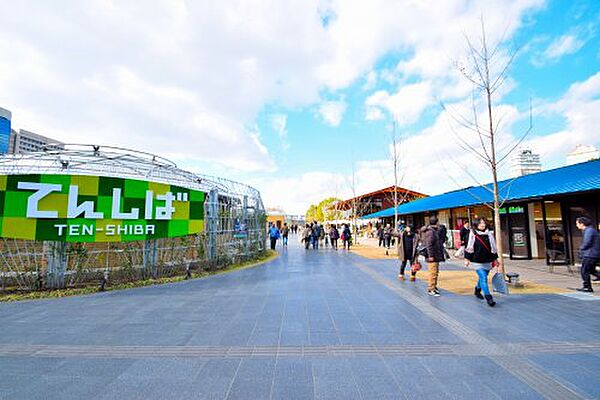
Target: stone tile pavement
{"x": 308, "y": 325}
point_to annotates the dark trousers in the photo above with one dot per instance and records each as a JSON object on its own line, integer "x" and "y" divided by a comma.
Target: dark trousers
{"x": 334, "y": 243}
{"x": 306, "y": 243}
{"x": 388, "y": 240}
{"x": 588, "y": 267}
{"x": 347, "y": 243}
{"x": 273, "y": 243}
{"x": 403, "y": 265}
{"x": 381, "y": 241}
{"x": 315, "y": 242}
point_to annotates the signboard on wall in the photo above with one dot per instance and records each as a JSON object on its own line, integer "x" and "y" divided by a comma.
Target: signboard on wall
{"x": 82, "y": 208}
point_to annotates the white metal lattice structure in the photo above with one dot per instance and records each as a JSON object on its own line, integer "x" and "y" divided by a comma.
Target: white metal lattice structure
{"x": 23, "y": 264}
{"x": 82, "y": 159}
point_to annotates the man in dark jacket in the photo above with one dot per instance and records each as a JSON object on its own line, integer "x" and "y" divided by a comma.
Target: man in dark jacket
{"x": 589, "y": 252}
{"x": 316, "y": 235}
{"x": 431, "y": 239}
{"x": 464, "y": 234}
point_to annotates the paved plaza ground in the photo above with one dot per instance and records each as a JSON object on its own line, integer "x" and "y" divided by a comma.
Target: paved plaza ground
{"x": 307, "y": 325}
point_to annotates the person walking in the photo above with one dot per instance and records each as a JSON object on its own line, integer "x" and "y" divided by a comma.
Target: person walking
{"x": 434, "y": 248}
{"x": 346, "y": 237}
{"x": 481, "y": 253}
{"x": 285, "y": 231}
{"x": 316, "y": 234}
{"x": 380, "y": 235}
{"x": 407, "y": 250}
{"x": 589, "y": 252}
{"x": 306, "y": 236}
{"x": 464, "y": 233}
{"x": 334, "y": 235}
{"x": 274, "y": 235}
{"x": 387, "y": 236}
{"x": 322, "y": 234}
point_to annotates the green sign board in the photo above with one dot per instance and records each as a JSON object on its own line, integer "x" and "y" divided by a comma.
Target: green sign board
{"x": 81, "y": 208}
{"x": 512, "y": 210}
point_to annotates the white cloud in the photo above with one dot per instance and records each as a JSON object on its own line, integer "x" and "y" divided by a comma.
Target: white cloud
{"x": 295, "y": 194}
{"x": 406, "y": 105}
{"x": 279, "y": 125}
{"x": 579, "y": 107}
{"x": 566, "y": 44}
{"x": 188, "y": 79}
{"x": 332, "y": 112}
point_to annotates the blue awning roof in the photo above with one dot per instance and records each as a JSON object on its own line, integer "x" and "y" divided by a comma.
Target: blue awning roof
{"x": 570, "y": 179}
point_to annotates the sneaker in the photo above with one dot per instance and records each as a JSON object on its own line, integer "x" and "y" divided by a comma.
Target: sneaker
{"x": 436, "y": 291}
{"x": 413, "y": 278}
{"x": 586, "y": 290}
{"x": 400, "y": 277}
{"x": 433, "y": 293}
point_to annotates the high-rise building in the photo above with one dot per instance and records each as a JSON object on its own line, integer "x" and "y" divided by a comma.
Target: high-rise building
{"x": 5, "y": 117}
{"x": 26, "y": 142}
{"x": 583, "y": 153}
{"x": 525, "y": 162}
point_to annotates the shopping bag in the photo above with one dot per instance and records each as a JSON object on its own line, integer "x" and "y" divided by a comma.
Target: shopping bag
{"x": 460, "y": 253}
{"x": 499, "y": 283}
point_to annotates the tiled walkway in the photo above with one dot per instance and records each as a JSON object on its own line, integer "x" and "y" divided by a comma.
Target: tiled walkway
{"x": 307, "y": 325}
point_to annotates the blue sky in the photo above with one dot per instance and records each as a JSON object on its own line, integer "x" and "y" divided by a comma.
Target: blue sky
{"x": 293, "y": 97}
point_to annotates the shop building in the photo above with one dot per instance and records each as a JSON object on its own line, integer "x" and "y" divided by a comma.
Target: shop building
{"x": 538, "y": 215}
{"x": 376, "y": 201}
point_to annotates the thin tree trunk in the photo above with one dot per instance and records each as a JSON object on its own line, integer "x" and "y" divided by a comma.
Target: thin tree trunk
{"x": 498, "y": 227}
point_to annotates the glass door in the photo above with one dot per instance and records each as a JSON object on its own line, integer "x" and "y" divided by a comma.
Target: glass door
{"x": 556, "y": 244}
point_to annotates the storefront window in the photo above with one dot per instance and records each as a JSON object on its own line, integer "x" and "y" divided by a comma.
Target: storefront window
{"x": 485, "y": 212}
{"x": 538, "y": 218}
{"x": 556, "y": 247}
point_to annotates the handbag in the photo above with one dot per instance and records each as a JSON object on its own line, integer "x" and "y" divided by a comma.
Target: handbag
{"x": 415, "y": 267}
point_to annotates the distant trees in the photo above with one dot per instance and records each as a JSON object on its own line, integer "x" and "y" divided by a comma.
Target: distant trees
{"x": 324, "y": 211}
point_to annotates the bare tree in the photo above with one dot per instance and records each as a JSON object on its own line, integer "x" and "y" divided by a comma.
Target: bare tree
{"x": 397, "y": 196}
{"x": 486, "y": 69}
{"x": 396, "y": 164}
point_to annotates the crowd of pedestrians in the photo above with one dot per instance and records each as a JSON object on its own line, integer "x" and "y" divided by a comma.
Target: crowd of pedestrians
{"x": 315, "y": 235}
{"x": 477, "y": 247}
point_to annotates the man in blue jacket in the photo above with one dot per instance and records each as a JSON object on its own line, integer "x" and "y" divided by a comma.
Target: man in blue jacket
{"x": 274, "y": 235}
{"x": 589, "y": 251}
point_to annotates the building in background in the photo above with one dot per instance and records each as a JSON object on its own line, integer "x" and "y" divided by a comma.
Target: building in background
{"x": 538, "y": 216}
{"x": 27, "y": 142}
{"x": 375, "y": 201}
{"x": 525, "y": 162}
{"x": 583, "y": 153}
{"x": 275, "y": 216}
{"x": 5, "y": 129}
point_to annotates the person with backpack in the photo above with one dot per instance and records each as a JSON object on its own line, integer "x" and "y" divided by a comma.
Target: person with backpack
{"x": 316, "y": 234}
{"x": 346, "y": 237}
{"x": 285, "y": 231}
{"x": 274, "y": 235}
{"x": 431, "y": 237}
{"x": 482, "y": 254}
{"x": 306, "y": 236}
{"x": 407, "y": 250}
{"x": 334, "y": 235}
{"x": 589, "y": 252}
